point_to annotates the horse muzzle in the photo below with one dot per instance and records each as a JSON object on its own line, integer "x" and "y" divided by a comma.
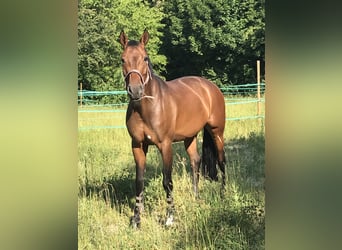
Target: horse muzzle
{"x": 135, "y": 91}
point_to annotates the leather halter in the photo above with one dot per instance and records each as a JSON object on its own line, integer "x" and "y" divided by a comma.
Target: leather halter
{"x": 149, "y": 76}
{"x": 140, "y": 75}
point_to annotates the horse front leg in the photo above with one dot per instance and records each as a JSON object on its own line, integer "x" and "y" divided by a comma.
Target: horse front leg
{"x": 139, "y": 153}
{"x": 166, "y": 151}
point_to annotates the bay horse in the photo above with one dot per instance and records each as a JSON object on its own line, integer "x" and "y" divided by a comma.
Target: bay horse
{"x": 162, "y": 112}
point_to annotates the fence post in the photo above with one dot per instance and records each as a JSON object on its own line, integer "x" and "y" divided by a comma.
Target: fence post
{"x": 258, "y": 81}
{"x": 81, "y": 93}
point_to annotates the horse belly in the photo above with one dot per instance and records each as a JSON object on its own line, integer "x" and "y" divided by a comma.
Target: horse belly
{"x": 189, "y": 126}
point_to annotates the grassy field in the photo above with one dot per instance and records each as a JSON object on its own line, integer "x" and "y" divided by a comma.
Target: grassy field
{"x": 106, "y": 170}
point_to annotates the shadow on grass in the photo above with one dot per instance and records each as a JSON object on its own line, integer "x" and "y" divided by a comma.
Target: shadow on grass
{"x": 115, "y": 190}
{"x": 235, "y": 220}
{"x": 119, "y": 188}
{"x": 229, "y": 227}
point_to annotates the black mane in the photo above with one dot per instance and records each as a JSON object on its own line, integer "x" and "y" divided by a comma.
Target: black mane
{"x": 150, "y": 65}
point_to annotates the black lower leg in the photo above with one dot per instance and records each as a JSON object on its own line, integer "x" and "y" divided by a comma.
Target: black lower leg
{"x": 139, "y": 200}
{"x": 222, "y": 168}
{"x": 195, "y": 175}
{"x": 222, "y": 165}
{"x": 139, "y": 207}
{"x": 170, "y": 211}
{"x": 168, "y": 187}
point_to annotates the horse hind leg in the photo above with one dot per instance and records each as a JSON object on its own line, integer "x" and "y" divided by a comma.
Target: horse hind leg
{"x": 219, "y": 142}
{"x": 195, "y": 160}
{"x": 213, "y": 136}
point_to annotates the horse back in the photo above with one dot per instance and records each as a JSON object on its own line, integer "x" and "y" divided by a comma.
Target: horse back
{"x": 195, "y": 91}
{"x": 195, "y": 102}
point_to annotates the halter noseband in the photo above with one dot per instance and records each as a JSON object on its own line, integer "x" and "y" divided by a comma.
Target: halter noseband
{"x": 149, "y": 75}
{"x": 140, "y": 75}
{"x": 143, "y": 83}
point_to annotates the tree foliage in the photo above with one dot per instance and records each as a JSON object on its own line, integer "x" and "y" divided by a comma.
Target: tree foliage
{"x": 99, "y": 26}
{"x": 218, "y": 39}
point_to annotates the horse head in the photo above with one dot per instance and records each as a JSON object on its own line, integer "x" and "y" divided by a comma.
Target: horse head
{"x": 135, "y": 65}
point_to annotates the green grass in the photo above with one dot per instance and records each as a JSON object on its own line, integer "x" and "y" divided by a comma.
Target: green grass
{"x": 234, "y": 220}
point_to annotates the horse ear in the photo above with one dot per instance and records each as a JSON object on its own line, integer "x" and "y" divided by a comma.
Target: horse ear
{"x": 144, "y": 38}
{"x": 123, "y": 39}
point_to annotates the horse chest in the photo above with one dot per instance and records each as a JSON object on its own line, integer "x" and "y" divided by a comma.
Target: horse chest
{"x": 140, "y": 131}
{"x": 150, "y": 136}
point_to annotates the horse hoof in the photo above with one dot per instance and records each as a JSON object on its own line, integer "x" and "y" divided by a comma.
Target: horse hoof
{"x": 169, "y": 221}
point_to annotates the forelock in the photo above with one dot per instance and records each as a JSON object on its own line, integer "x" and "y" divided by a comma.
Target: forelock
{"x": 132, "y": 43}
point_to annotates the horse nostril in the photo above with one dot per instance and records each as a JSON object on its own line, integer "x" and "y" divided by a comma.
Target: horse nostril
{"x": 135, "y": 91}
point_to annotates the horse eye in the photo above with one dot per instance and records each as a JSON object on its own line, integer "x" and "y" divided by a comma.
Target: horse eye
{"x": 146, "y": 58}
{"x": 122, "y": 60}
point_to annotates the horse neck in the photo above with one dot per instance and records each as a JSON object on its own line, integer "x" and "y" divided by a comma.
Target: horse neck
{"x": 153, "y": 88}
{"x": 153, "y": 93}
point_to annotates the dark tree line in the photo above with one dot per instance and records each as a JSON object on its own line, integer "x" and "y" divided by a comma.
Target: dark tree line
{"x": 218, "y": 39}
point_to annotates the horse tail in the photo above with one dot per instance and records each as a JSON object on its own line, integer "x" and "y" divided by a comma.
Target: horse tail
{"x": 209, "y": 156}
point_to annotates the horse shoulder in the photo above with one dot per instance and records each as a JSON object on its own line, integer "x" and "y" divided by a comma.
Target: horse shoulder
{"x": 135, "y": 125}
